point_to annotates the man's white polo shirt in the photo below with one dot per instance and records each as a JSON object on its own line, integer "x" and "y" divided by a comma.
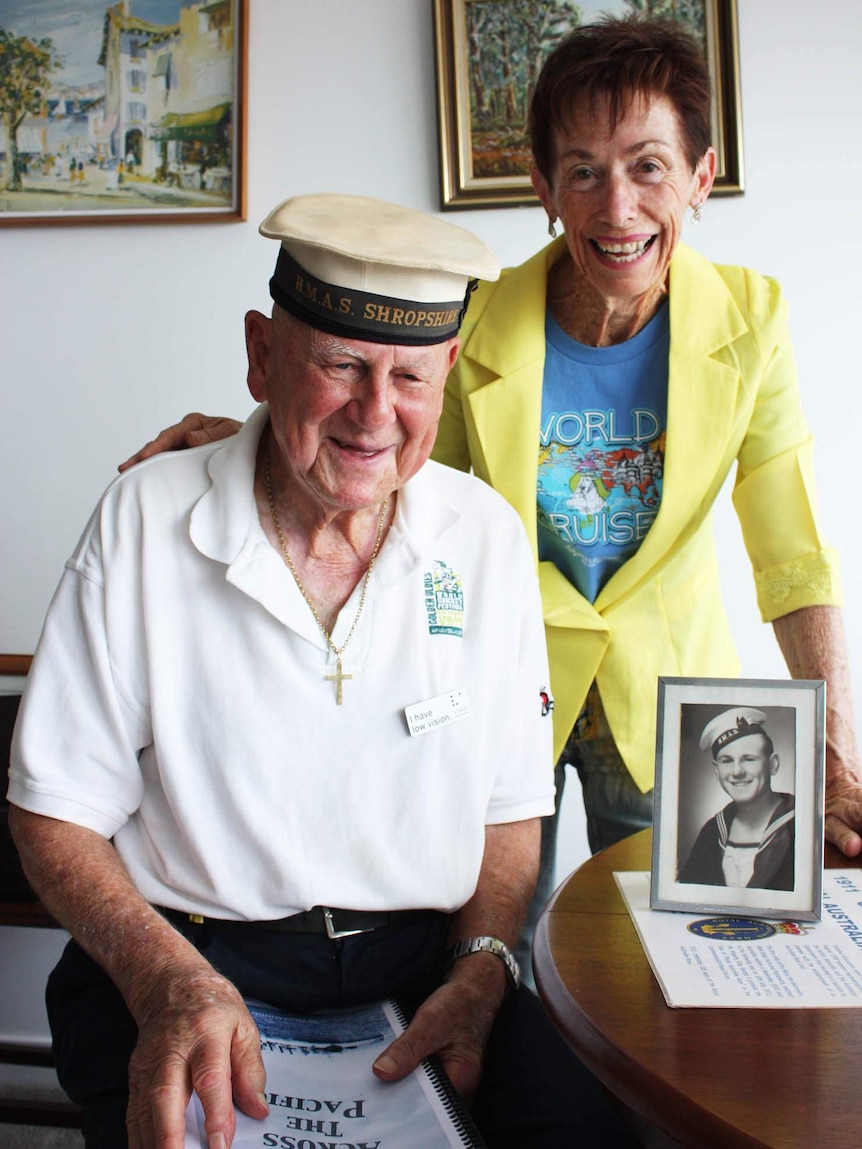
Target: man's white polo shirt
{"x": 178, "y": 701}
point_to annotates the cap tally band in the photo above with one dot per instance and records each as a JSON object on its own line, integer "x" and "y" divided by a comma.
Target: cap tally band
{"x": 359, "y": 315}
{"x": 742, "y": 729}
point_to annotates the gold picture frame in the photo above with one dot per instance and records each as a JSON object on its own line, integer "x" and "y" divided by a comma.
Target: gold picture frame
{"x": 491, "y": 167}
{"x": 109, "y": 116}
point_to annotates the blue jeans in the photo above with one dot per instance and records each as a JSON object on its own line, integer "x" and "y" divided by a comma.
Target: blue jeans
{"x": 614, "y": 805}
{"x": 615, "y": 808}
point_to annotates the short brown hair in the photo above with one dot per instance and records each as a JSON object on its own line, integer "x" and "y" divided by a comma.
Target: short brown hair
{"x": 619, "y": 59}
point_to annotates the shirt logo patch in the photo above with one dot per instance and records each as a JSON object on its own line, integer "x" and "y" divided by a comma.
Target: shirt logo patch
{"x": 444, "y": 600}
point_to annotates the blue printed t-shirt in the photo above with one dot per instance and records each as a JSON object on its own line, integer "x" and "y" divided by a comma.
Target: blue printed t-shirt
{"x": 601, "y": 453}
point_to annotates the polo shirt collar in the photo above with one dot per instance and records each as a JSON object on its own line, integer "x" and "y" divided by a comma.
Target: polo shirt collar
{"x": 222, "y": 518}
{"x": 225, "y": 526}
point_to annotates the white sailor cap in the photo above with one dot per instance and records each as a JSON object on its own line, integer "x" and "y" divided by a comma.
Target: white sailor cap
{"x": 367, "y": 269}
{"x": 730, "y": 725}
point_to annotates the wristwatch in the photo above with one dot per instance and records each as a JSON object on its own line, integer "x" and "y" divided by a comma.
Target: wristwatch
{"x": 486, "y": 944}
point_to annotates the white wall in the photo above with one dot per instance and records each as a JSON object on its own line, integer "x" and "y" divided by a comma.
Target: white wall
{"x": 109, "y": 333}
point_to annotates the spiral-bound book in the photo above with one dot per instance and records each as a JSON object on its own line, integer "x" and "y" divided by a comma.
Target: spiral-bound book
{"x": 322, "y": 1093}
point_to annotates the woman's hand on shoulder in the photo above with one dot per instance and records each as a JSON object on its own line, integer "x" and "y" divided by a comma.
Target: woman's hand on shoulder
{"x": 192, "y": 431}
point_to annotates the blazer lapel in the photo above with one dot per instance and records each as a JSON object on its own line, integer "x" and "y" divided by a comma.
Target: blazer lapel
{"x": 702, "y": 397}
{"x": 509, "y": 342}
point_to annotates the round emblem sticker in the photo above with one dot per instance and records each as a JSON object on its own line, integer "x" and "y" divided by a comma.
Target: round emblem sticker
{"x": 732, "y": 929}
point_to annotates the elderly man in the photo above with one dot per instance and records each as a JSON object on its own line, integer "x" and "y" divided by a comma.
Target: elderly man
{"x": 750, "y": 841}
{"x": 284, "y": 736}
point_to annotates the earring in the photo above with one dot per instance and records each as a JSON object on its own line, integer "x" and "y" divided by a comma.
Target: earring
{"x": 696, "y": 213}
{"x": 552, "y": 231}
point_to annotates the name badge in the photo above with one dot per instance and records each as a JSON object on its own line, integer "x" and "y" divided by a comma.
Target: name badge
{"x": 423, "y": 717}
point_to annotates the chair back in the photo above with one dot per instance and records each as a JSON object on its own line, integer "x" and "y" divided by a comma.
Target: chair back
{"x": 29, "y": 1091}
{"x": 14, "y": 888}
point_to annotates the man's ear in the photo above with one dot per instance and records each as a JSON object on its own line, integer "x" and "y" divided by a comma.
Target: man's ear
{"x": 257, "y": 340}
{"x": 773, "y": 763}
{"x": 453, "y": 349}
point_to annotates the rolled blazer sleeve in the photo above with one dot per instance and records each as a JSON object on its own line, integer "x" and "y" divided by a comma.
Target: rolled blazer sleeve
{"x": 775, "y": 492}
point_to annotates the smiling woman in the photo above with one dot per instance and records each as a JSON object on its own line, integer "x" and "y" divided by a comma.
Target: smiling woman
{"x": 621, "y": 150}
{"x": 620, "y": 194}
{"x": 666, "y": 372}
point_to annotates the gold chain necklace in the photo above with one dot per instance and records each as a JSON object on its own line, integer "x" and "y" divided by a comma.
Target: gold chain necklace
{"x": 339, "y": 676}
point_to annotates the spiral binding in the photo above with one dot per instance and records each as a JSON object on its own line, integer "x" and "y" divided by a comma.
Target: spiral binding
{"x": 450, "y": 1098}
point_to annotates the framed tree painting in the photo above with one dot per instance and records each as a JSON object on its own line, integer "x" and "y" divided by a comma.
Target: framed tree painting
{"x": 489, "y": 54}
{"x": 127, "y": 111}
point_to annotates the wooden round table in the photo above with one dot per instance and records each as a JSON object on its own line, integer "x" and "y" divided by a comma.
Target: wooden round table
{"x": 711, "y": 1078}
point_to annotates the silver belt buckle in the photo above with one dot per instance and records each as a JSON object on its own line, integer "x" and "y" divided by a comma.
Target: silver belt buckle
{"x": 332, "y": 932}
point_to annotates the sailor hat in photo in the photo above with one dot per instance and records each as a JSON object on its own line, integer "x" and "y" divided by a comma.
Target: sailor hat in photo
{"x": 730, "y": 725}
{"x": 371, "y": 270}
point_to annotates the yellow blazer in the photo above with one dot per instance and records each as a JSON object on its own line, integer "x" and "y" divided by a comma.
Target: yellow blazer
{"x": 732, "y": 398}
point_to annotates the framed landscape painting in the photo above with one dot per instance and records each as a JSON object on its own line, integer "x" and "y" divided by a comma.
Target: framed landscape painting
{"x": 489, "y": 54}
{"x": 123, "y": 112}
{"x": 738, "y": 805}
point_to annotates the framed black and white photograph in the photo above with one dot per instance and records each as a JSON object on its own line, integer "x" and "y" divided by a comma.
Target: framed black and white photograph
{"x": 738, "y": 806}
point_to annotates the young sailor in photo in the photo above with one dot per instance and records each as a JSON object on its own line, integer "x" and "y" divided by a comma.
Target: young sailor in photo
{"x": 749, "y": 842}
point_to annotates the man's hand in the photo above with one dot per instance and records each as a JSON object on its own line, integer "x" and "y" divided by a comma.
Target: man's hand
{"x": 454, "y": 1022}
{"x": 194, "y": 1033}
{"x": 192, "y": 431}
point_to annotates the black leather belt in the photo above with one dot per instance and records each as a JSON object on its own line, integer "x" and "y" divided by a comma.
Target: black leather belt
{"x": 318, "y": 920}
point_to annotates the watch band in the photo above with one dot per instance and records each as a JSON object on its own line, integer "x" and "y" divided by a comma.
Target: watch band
{"x": 487, "y": 944}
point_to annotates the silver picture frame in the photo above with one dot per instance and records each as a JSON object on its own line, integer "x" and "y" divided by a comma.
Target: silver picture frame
{"x": 729, "y": 753}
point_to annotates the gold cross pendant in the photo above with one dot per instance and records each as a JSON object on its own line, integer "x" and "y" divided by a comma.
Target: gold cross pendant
{"x": 338, "y": 678}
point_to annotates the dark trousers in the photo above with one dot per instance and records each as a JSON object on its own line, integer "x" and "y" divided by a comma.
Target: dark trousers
{"x": 535, "y": 1094}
